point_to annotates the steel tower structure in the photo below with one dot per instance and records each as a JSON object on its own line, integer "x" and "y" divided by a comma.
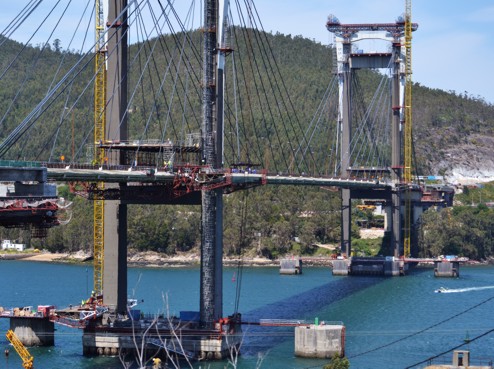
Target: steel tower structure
{"x": 345, "y": 36}
{"x": 211, "y": 294}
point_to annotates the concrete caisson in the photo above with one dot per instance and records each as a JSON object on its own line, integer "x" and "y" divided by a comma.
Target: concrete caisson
{"x": 33, "y": 331}
{"x": 291, "y": 266}
{"x": 340, "y": 267}
{"x": 446, "y": 268}
{"x": 320, "y": 341}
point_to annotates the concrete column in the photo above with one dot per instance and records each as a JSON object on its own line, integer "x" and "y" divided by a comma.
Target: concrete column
{"x": 211, "y": 292}
{"x": 396, "y": 162}
{"x": 115, "y": 252}
{"x": 116, "y": 111}
{"x": 346, "y": 221}
{"x": 115, "y": 240}
{"x": 396, "y": 239}
{"x": 396, "y": 103}
{"x": 346, "y": 132}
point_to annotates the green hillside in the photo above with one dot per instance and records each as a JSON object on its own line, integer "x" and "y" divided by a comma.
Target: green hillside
{"x": 268, "y": 221}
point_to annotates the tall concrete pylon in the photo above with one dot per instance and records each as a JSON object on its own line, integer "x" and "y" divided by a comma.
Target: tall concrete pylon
{"x": 211, "y": 290}
{"x": 115, "y": 239}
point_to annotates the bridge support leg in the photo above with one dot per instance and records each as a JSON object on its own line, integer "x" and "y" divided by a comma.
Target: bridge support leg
{"x": 211, "y": 299}
{"x": 33, "y": 331}
{"x": 346, "y": 221}
{"x": 397, "y": 246}
{"x": 115, "y": 264}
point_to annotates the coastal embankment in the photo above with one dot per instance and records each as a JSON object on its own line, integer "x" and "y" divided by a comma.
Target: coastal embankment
{"x": 150, "y": 259}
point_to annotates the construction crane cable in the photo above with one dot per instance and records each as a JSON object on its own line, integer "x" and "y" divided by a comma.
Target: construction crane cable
{"x": 470, "y": 340}
{"x": 248, "y": 105}
{"x": 19, "y": 19}
{"x": 241, "y": 241}
{"x": 276, "y": 71}
{"x": 380, "y": 120}
{"x": 191, "y": 71}
{"x": 25, "y": 45}
{"x": 48, "y": 100}
{"x": 66, "y": 111}
{"x": 268, "y": 72}
{"x": 240, "y": 130}
{"x": 31, "y": 70}
{"x": 159, "y": 28}
{"x": 315, "y": 124}
{"x": 384, "y": 116}
{"x": 141, "y": 35}
{"x": 137, "y": 59}
{"x": 183, "y": 59}
{"x": 235, "y": 104}
{"x": 124, "y": 28}
{"x": 251, "y": 37}
{"x": 359, "y": 151}
{"x": 425, "y": 329}
{"x": 270, "y": 76}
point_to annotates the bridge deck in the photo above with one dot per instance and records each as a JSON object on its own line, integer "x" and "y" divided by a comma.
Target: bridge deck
{"x": 67, "y": 174}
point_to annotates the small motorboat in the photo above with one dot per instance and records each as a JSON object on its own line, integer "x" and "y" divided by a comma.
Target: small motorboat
{"x": 441, "y": 289}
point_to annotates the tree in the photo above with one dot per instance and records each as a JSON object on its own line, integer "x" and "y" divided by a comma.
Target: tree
{"x": 338, "y": 362}
{"x": 56, "y": 45}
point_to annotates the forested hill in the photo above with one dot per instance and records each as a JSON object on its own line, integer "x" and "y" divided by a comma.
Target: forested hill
{"x": 450, "y": 130}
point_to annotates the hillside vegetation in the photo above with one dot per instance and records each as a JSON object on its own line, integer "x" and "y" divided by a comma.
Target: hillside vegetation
{"x": 450, "y": 130}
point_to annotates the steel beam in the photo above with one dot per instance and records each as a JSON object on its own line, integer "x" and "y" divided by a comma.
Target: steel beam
{"x": 23, "y": 174}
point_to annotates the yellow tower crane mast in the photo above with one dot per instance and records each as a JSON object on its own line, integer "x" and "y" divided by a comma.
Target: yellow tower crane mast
{"x": 407, "y": 170}
{"x": 27, "y": 359}
{"x": 99, "y": 137}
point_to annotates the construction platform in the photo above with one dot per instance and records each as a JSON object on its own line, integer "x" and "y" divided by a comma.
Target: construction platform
{"x": 391, "y": 266}
{"x": 381, "y": 266}
{"x": 32, "y": 327}
{"x": 108, "y": 334}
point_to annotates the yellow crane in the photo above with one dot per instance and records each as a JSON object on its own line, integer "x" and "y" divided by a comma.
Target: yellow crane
{"x": 27, "y": 359}
{"x": 99, "y": 137}
{"x": 407, "y": 170}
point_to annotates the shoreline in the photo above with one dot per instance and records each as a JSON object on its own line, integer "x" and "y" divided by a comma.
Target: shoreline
{"x": 151, "y": 259}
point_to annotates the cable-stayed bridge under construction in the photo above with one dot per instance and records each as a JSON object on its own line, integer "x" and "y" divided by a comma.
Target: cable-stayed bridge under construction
{"x": 183, "y": 114}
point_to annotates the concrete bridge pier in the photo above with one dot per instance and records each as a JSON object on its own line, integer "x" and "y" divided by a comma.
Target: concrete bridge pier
{"x": 447, "y": 268}
{"x": 33, "y": 331}
{"x": 320, "y": 341}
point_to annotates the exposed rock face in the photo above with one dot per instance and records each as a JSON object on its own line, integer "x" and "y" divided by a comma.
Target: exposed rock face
{"x": 469, "y": 161}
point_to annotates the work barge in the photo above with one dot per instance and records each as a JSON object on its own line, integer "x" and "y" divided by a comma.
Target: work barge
{"x": 183, "y": 337}
{"x": 108, "y": 334}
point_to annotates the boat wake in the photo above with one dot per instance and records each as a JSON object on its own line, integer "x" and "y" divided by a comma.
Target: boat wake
{"x": 459, "y": 290}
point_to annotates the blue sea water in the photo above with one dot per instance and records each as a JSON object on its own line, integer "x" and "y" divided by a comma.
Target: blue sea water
{"x": 390, "y": 322}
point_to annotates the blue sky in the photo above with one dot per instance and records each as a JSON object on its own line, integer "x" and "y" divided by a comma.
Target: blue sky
{"x": 453, "y": 48}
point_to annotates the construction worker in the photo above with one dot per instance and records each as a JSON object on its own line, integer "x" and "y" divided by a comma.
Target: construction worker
{"x": 6, "y": 352}
{"x": 156, "y": 363}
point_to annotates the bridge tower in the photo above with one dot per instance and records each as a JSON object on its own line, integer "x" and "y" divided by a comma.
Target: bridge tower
{"x": 211, "y": 293}
{"x": 348, "y": 60}
{"x": 115, "y": 212}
